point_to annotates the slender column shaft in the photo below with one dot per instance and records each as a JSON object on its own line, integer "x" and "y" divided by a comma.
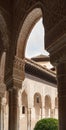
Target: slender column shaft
{"x": 29, "y": 119}
{"x": 61, "y": 77}
{"x": 43, "y": 107}
{"x": 13, "y": 110}
{"x": 43, "y": 112}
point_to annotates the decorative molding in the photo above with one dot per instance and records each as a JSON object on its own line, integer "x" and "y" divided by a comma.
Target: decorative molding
{"x": 14, "y": 79}
{"x": 18, "y": 72}
{"x": 19, "y": 63}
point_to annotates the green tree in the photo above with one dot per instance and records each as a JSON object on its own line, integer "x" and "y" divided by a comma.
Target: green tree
{"x": 47, "y": 124}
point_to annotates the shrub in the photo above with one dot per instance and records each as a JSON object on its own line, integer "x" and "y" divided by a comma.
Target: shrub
{"x": 47, "y": 124}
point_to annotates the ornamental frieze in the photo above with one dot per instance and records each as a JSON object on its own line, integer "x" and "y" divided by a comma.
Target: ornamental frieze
{"x": 18, "y": 72}
{"x": 19, "y": 64}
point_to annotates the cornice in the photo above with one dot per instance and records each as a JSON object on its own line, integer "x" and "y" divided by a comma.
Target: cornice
{"x": 37, "y": 71}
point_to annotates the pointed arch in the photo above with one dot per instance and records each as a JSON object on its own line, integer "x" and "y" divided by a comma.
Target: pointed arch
{"x": 27, "y": 27}
{"x": 37, "y": 99}
{"x": 47, "y": 106}
{"x": 24, "y": 99}
{"x": 47, "y": 101}
{"x": 37, "y": 105}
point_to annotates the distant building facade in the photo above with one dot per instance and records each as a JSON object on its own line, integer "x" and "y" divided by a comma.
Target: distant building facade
{"x": 36, "y": 100}
{"x": 39, "y": 95}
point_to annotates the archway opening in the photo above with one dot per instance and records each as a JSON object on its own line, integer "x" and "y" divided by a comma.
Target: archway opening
{"x": 24, "y": 103}
{"x": 26, "y": 29}
{"x": 56, "y": 107}
{"x": 37, "y": 106}
{"x": 24, "y": 107}
{"x": 47, "y": 106}
{"x": 35, "y": 42}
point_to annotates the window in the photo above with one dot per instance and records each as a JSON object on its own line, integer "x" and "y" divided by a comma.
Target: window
{"x": 37, "y": 99}
{"x": 23, "y": 110}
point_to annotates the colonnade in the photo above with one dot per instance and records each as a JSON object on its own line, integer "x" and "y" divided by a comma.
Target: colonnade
{"x": 14, "y": 85}
{"x": 34, "y": 110}
{"x": 59, "y": 60}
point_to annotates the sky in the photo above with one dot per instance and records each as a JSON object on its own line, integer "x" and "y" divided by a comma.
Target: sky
{"x": 35, "y": 44}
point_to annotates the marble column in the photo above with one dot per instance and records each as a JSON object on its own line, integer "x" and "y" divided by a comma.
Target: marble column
{"x": 52, "y": 109}
{"x": 13, "y": 110}
{"x": 2, "y": 92}
{"x": 29, "y": 119}
{"x": 3, "y": 107}
{"x": 43, "y": 107}
{"x": 18, "y": 77}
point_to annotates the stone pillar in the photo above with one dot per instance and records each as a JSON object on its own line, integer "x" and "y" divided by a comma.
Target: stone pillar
{"x": 61, "y": 78}
{"x": 2, "y": 92}
{"x": 3, "y": 107}
{"x": 29, "y": 119}
{"x": 52, "y": 113}
{"x": 13, "y": 110}
{"x": 56, "y": 112}
{"x": 42, "y": 112}
{"x": 13, "y": 87}
{"x": 52, "y": 109}
{"x": 43, "y": 107}
{"x": 58, "y": 59}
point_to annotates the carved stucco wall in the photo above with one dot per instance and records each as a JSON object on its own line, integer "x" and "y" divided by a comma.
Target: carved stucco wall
{"x": 32, "y": 88}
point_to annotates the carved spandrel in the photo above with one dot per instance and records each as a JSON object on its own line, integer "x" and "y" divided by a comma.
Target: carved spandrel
{"x": 18, "y": 72}
{"x": 19, "y": 64}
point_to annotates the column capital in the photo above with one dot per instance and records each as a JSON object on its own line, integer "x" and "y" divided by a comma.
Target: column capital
{"x": 14, "y": 79}
{"x": 58, "y": 51}
{"x": 18, "y": 71}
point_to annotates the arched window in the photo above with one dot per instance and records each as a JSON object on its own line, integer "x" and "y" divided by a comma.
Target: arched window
{"x": 24, "y": 102}
{"x": 47, "y": 102}
{"x": 23, "y": 109}
{"x": 47, "y": 106}
{"x": 24, "y": 99}
{"x": 37, "y": 99}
